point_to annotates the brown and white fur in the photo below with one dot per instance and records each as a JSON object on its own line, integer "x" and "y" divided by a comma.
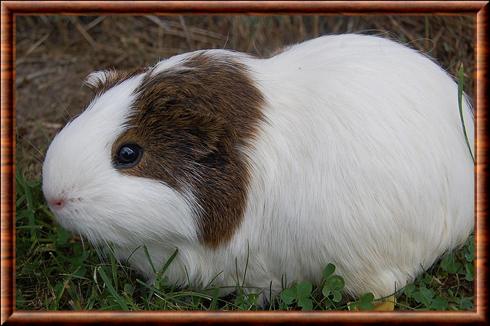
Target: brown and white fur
{"x": 344, "y": 149}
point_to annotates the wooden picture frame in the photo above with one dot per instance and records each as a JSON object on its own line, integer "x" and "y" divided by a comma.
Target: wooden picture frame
{"x": 10, "y": 9}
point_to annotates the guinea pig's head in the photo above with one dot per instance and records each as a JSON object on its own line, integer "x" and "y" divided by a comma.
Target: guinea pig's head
{"x": 156, "y": 155}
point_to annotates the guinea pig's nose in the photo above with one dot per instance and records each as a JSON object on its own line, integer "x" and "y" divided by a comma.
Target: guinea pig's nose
{"x": 56, "y": 203}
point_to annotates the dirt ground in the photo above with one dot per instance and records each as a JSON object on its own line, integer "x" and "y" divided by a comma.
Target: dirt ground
{"x": 55, "y": 53}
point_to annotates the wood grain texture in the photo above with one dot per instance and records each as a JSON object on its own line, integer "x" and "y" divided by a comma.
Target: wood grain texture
{"x": 481, "y": 234}
{"x": 7, "y": 166}
{"x": 260, "y": 317}
{"x": 251, "y": 7}
{"x": 11, "y": 8}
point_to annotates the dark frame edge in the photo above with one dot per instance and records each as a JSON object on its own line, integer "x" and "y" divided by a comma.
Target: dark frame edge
{"x": 7, "y": 164}
{"x": 293, "y": 317}
{"x": 482, "y": 58}
{"x": 247, "y": 7}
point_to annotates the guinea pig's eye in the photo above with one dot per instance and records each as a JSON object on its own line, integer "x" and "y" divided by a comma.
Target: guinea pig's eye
{"x": 128, "y": 156}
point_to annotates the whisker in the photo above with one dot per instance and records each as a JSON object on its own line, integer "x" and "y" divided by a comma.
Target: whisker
{"x": 40, "y": 158}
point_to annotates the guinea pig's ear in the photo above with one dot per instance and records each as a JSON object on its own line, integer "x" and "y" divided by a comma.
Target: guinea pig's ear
{"x": 98, "y": 78}
{"x": 204, "y": 132}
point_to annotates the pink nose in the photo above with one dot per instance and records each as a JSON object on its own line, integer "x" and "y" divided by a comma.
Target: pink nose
{"x": 57, "y": 203}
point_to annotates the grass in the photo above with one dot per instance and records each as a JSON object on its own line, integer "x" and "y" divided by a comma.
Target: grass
{"x": 460, "y": 106}
{"x": 55, "y": 270}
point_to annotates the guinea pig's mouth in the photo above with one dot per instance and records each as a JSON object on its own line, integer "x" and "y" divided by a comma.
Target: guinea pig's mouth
{"x": 67, "y": 218}
{"x": 75, "y": 220}
{"x": 90, "y": 225}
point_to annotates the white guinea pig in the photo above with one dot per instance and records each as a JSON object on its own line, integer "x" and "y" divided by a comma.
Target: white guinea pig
{"x": 345, "y": 149}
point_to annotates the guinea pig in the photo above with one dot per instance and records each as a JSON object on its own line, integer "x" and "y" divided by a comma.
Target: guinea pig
{"x": 345, "y": 149}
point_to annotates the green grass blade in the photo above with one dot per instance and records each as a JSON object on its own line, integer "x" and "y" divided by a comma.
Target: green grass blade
{"x": 460, "y": 104}
{"x": 111, "y": 290}
{"x": 149, "y": 259}
{"x": 26, "y": 190}
{"x": 113, "y": 269}
{"x": 167, "y": 263}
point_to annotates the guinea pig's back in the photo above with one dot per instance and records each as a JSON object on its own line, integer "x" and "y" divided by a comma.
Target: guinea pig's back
{"x": 361, "y": 160}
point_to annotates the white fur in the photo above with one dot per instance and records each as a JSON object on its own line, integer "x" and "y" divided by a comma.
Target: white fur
{"x": 98, "y": 77}
{"x": 361, "y": 162}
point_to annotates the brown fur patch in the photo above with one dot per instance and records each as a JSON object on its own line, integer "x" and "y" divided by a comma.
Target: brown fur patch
{"x": 191, "y": 124}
